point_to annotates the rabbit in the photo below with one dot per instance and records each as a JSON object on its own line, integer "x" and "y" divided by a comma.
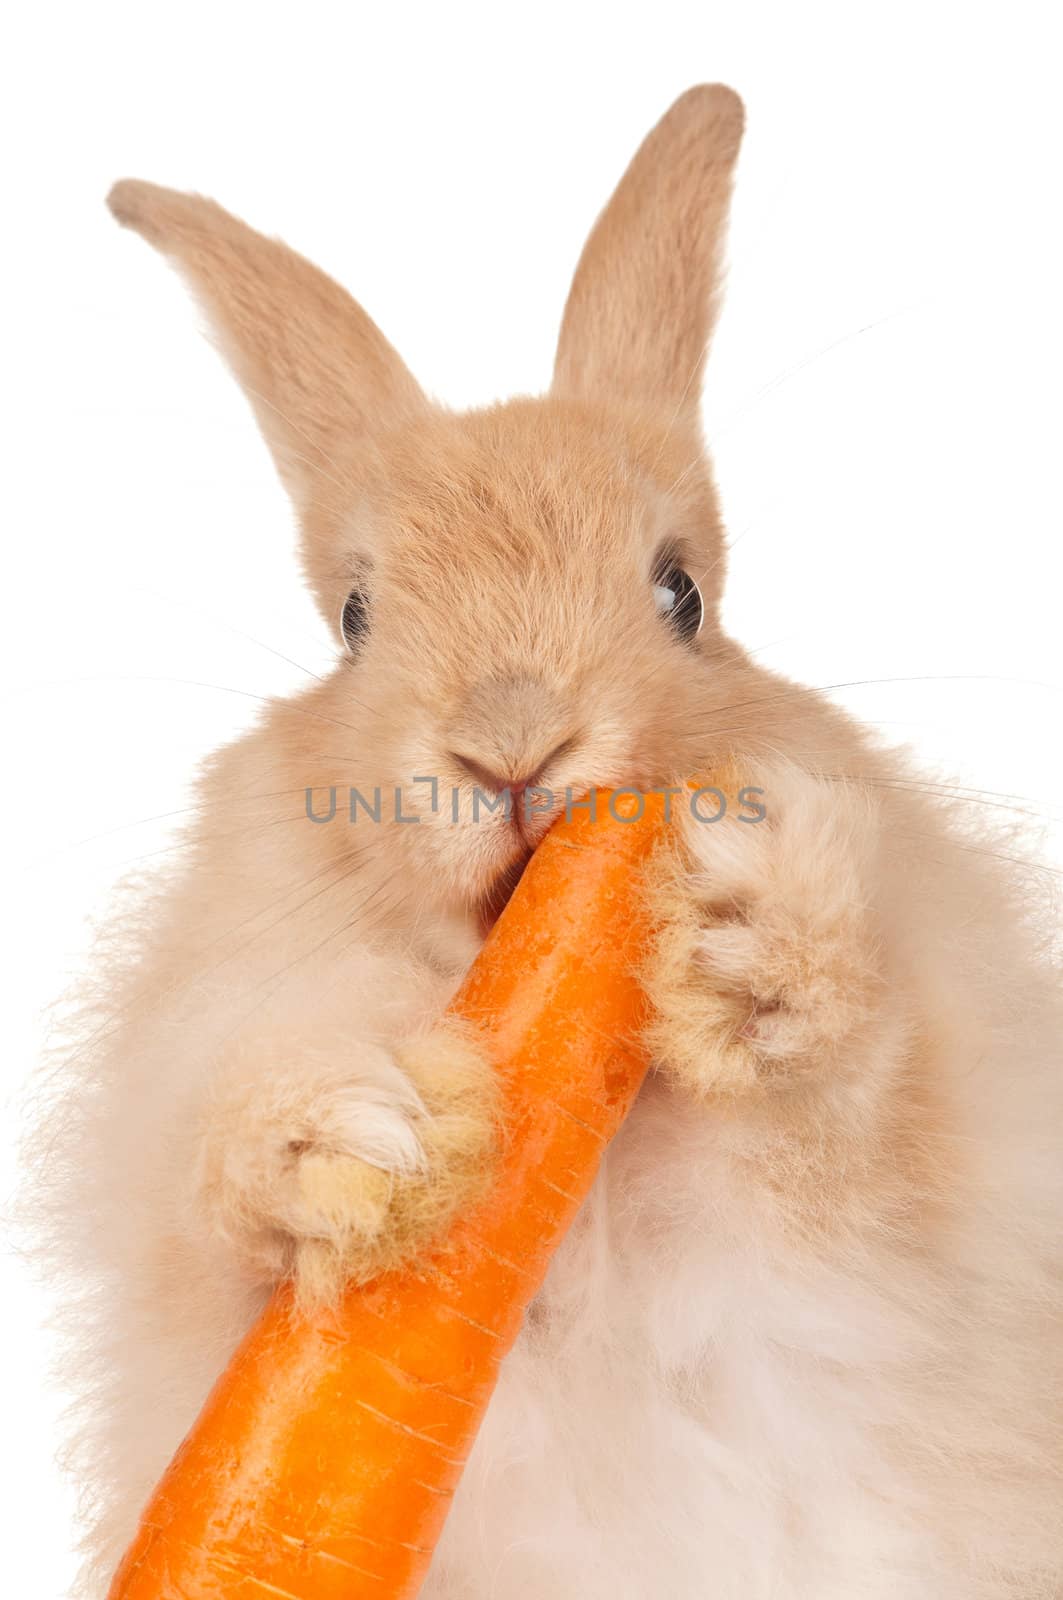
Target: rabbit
{"x": 804, "y": 1339}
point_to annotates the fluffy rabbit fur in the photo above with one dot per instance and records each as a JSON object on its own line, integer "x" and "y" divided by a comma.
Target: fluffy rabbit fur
{"x": 806, "y": 1338}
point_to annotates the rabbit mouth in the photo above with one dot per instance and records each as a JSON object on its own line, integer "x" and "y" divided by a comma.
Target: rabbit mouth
{"x": 497, "y": 897}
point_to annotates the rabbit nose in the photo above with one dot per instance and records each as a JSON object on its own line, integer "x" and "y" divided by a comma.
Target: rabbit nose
{"x": 487, "y": 778}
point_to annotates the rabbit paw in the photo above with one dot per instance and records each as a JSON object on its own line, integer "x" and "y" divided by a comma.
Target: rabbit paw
{"x": 334, "y": 1182}
{"x": 767, "y": 961}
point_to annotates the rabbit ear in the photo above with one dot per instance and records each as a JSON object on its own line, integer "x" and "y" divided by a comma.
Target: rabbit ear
{"x": 641, "y": 308}
{"x": 319, "y": 373}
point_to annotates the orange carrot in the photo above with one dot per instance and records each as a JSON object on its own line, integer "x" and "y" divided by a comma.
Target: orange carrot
{"x": 323, "y": 1463}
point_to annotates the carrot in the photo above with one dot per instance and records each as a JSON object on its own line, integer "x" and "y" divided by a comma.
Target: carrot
{"x": 323, "y": 1463}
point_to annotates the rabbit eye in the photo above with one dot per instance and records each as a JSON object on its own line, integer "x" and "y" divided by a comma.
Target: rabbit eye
{"x": 678, "y": 598}
{"x": 354, "y": 620}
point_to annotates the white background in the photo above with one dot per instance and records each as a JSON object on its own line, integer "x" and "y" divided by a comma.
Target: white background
{"x": 883, "y": 399}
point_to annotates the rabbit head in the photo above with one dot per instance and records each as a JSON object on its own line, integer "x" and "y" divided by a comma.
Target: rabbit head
{"x": 525, "y": 595}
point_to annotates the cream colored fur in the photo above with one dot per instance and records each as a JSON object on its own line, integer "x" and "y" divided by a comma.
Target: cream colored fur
{"x": 806, "y": 1339}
